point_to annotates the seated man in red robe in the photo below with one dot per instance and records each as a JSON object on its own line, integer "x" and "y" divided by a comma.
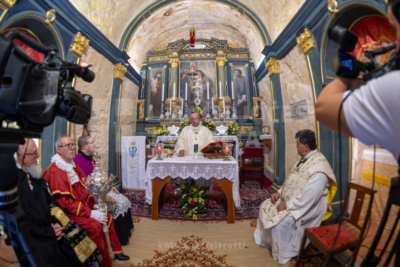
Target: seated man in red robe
{"x": 64, "y": 180}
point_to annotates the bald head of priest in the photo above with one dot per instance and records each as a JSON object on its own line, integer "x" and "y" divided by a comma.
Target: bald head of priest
{"x": 194, "y": 134}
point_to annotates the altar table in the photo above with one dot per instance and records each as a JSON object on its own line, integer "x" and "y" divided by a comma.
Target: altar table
{"x": 225, "y": 173}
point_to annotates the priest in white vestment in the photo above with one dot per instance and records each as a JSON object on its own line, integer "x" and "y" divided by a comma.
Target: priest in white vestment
{"x": 194, "y": 134}
{"x": 303, "y": 201}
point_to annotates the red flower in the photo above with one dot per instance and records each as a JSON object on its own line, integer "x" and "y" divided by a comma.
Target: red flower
{"x": 212, "y": 126}
{"x": 193, "y": 202}
{"x": 183, "y": 209}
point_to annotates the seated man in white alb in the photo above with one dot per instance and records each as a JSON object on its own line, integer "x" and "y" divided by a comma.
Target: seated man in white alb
{"x": 194, "y": 134}
{"x": 303, "y": 201}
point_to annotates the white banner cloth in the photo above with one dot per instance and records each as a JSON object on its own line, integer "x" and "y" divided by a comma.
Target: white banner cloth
{"x": 265, "y": 136}
{"x": 187, "y": 167}
{"x": 216, "y": 137}
{"x": 133, "y": 161}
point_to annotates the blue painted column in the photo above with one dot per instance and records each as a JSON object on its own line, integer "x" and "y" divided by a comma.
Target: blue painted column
{"x": 272, "y": 65}
{"x": 114, "y": 133}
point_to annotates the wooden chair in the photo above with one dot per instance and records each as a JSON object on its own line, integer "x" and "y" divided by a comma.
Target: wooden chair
{"x": 252, "y": 153}
{"x": 322, "y": 237}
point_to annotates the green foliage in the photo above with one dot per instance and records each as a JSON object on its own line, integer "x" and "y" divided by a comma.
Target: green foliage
{"x": 191, "y": 200}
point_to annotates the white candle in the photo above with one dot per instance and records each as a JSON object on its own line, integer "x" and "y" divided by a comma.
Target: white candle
{"x": 162, "y": 94}
{"x": 174, "y": 90}
{"x": 212, "y": 105}
{"x": 208, "y": 92}
{"x": 182, "y": 106}
{"x": 170, "y": 107}
{"x": 233, "y": 94}
{"x": 197, "y": 90}
{"x": 220, "y": 90}
{"x": 186, "y": 93}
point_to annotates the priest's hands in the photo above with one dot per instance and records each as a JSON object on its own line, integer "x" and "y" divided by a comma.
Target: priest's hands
{"x": 114, "y": 190}
{"x": 58, "y": 230}
{"x": 281, "y": 206}
{"x": 110, "y": 200}
{"x": 274, "y": 197}
{"x": 181, "y": 153}
{"x": 99, "y": 216}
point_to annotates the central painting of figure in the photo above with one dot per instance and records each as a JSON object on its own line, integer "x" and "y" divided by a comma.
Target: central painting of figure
{"x": 204, "y": 78}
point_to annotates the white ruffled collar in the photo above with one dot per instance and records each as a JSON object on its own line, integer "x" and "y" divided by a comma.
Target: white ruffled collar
{"x": 67, "y": 167}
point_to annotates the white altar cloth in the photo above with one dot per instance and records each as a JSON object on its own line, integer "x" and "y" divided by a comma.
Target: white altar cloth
{"x": 216, "y": 137}
{"x": 187, "y": 167}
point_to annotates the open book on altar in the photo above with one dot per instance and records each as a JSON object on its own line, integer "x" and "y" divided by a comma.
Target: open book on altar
{"x": 214, "y": 149}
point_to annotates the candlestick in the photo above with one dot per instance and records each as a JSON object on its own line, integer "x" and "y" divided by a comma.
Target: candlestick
{"x": 174, "y": 90}
{"x": 212, "y": 105}
{"x": 182, "y": 106}
{"x": 226, "y": 149}
{"x": 208, "y": 92}
{"x": 233, "y": 94}
{"x": 159, "y": 149}
{"x": 186, "y": 92}
{"x": 170, "y": 108}
{"x": 162, "y": 94}
{"x": 220, "y": 90}
{"x": 224, "y": 106}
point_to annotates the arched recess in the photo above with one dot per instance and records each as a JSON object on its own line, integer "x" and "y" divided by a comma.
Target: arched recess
{"x": 146, "y": 13}
{"x": 47, "y": 34}
{"x": 323, "y": 73}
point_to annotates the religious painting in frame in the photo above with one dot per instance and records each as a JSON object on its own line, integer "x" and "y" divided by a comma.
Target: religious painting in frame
{"x": 155, "y": 91}
{"x": 206, "y": 74}
{"x": 239, "y": 79}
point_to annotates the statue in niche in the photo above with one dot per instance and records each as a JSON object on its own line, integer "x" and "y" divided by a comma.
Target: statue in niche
{"x": 155, "y": 95}
{"x": 239, "y": 84}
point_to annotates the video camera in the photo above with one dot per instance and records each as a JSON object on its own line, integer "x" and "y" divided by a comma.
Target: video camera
{"x": 32, "y": 93}
{"x": 347, "y": 66}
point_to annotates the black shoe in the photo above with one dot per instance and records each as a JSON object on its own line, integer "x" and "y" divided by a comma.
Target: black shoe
{"x": 121, "y": 257}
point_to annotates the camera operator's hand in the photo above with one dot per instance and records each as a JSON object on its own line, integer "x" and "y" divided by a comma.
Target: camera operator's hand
{"x": 329, "y": 101}
{"x": 58, "y": 230}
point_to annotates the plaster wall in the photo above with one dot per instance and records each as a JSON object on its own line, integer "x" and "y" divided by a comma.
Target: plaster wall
{"x": 296, "y": 86}
{"x": 100, "y": 89}
{"x": 128, "y": 108}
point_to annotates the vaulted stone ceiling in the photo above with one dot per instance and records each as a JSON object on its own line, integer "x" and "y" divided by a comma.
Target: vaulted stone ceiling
{"x": 172, "y": 22}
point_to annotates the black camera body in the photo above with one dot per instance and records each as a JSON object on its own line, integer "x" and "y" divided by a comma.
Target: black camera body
{"x": 347, "y": 66}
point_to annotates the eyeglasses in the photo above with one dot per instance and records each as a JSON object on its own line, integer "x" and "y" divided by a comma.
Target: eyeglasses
{"x": 33, "y": 154}
{"x": 90, "y": 143}
{"x": 70, "y": 145}
{"x": 195, "y": 119}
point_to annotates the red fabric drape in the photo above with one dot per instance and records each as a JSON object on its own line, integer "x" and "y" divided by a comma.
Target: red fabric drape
{"x": 372, "y": 33}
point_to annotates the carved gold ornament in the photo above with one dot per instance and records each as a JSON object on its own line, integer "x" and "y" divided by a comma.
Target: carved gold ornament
{"x": 119, "y": 71}
{"x": 232, "y": 45}
{"x": 79, "y": 44}
{"x": 10, "y": 3}
{"x": 221, "y": 61}
{"x": 306, "y": 40}
{"x": 255, "y": 104}
{"x": 160, "y": 48}
{"x": 238, "y": 56}
{"x": 245, "y": 129}
{"x": 220, "y": 52}
{"x": 333, "y": 10}
{"x": 141, "y": 109}
{"x": 50, "y": 16}
{"x": 159, "y": 58}
{"x": 197, "y": 55}
{"x": 174, "y": 62}
{"x": 272, "y": 66}
{"x": 150, "y": 129}
{"x": 175, "y": 54}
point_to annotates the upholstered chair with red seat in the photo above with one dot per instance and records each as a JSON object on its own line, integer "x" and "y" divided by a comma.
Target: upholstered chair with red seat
{"x": 323, "y": 237}
{"x": 254, "y": 167}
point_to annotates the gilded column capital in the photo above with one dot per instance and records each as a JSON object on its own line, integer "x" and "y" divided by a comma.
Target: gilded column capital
{"x": 221, "y": 61}
{"x": 79, "y": 44}
{"x": 10, "y": 3}
{"x": 306, "y": 40}
{"x": 119, "y": 71}
{"x": 174, "y": 62}
{"x": 272, "y": 66}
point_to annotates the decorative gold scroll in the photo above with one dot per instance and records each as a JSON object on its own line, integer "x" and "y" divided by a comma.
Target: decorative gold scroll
{"x": 333, "y": 10}
{"x": 256, "y": 107}
{"x": 141, "y": 109}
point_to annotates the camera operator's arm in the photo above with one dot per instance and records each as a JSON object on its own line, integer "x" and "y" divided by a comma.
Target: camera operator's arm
{"x": 328, "y": 103}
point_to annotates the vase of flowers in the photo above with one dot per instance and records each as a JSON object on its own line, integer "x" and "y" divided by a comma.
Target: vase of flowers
{"x": 191, "y": 201}
{"x": 161, "y": 130}
{"x": 209, "y": 124}
{"x": 233, "y": 128}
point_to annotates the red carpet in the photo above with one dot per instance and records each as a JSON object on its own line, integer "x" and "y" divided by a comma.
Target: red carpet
{"x": 251, "y": 198}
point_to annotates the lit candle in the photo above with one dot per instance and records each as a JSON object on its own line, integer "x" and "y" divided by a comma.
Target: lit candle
{"x": 220, "y": 90}
{"x": 208, "y": 92}
{"x": 174, "y": 90}
{"x": 159, "y": 149}
{"x": 186, "y": 92}
{"x": 162, "y": 94}
{"x": 233, "y": 95}
{"x": 227, "y": 149}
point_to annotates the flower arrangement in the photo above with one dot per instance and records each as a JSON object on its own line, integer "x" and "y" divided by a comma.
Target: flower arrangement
{"x": 233, "y": 128}
{"x": 183, "y": 124}
{"x": 198, "y": 110}
{"x": 191, "y": 201}
{"x": 161, "y": 130}
{"x": 209, "y": 124}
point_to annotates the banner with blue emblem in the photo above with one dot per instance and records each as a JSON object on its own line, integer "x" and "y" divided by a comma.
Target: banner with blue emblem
{"x": 133, "y": 162}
